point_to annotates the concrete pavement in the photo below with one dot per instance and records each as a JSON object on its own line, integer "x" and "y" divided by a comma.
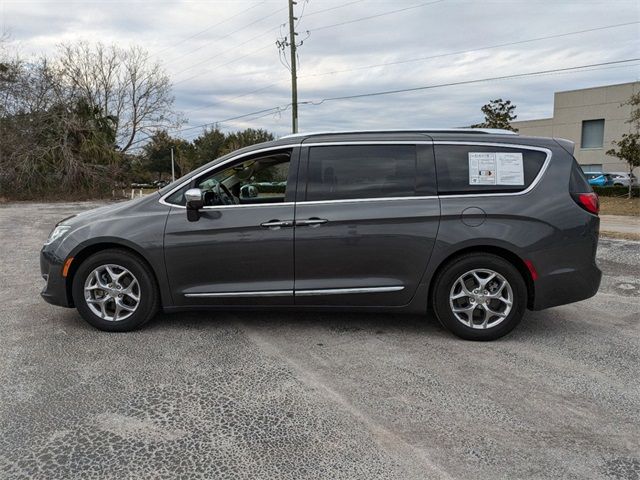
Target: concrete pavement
{"x": 620, "y": 224}
{"x": 314, "y": 395}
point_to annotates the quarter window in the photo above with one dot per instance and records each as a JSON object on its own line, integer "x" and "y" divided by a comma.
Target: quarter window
{"x": 361, "y": 171}
{"x": 453, "y": 164}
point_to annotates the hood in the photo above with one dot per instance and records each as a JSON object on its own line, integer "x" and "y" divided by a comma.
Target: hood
{"x": 107, "y": 211}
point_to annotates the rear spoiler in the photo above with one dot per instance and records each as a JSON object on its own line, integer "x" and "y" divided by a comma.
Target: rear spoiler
{"x": 567, "y": 145}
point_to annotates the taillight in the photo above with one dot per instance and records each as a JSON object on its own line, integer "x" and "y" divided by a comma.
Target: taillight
{"x": 588, "y": 201}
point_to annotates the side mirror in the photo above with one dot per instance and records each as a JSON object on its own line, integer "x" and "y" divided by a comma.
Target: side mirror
{"x": 195, "y": 201}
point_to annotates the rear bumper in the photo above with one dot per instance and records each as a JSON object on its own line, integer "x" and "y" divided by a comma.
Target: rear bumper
{"x": 566, "y": 287}
{"x": 55, "y": 289}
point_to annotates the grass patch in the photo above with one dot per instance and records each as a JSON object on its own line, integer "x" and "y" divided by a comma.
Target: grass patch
{"x": 619, "y": 206}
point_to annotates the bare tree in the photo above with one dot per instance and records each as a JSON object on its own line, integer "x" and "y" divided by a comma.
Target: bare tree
{"x": 130, "y": 90}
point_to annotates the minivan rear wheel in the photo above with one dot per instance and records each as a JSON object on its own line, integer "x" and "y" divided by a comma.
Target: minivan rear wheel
{"x": 479, "y": 296}
{"x": 115, "y": 291}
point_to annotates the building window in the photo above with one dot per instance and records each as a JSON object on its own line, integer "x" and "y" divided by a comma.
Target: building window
{"x": 592, "y": 133}
{"x": 592, "y": 168}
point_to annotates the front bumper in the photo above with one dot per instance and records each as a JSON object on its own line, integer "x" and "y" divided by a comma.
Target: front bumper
{"x": 55, "y": 290}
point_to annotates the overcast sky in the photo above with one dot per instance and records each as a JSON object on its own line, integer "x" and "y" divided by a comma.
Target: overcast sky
{"x": 222, "y": 57}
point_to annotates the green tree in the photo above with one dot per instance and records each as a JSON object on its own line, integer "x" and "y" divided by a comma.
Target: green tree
{"x": 627, "y": 149}
{"x": 214, "y": 143}
{"x": 157, "y": 154}
{"x": 207, "y": 146}
{"x": 634, "y": 118}
{"x": 246, "y": 138}
{"x": 498, "y": 114}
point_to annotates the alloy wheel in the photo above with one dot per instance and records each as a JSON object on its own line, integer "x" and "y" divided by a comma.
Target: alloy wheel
{"x": 112, "y": 292}
{"x": 481, "y": 298}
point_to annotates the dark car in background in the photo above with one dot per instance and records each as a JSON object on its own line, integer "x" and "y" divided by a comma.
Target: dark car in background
{"x": 476, "y": 225}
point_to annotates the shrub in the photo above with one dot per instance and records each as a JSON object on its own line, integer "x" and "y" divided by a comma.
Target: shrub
{"x": 616, "y": 191}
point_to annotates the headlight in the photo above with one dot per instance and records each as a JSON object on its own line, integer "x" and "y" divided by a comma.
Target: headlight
{"x": 59, "y": 231}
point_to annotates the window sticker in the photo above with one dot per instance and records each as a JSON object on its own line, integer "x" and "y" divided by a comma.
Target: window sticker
{"x": 509, "y": 168}
{"x": 496, "y": 168}
{"x": 482, "y": 168}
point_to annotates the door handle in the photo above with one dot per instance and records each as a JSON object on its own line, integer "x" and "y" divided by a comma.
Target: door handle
{"x": 274, "y": 224}
{"x": 312, "y": 222}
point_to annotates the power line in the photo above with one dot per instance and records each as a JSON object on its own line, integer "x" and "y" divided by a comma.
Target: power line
{"x": 334, "y": 8}
{"x": 230, "y": 99}
{"x": 282, "y": 108}
{"x": 466, "y": 82}
{"x": 459, "y": 52}
{"x": 399, "y": 62}
{"x": 362, "y": 19}
{"x": 261, "y": 19}
{"x": 208, "y": 124}
{"x": 207, "y": 29}
{"x": 276, "y": 111}
{"x": 223, "y": 64}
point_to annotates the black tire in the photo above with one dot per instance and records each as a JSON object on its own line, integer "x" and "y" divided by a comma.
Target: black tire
{"x": 148, "y": 304}
{"x": 444, "y": 282}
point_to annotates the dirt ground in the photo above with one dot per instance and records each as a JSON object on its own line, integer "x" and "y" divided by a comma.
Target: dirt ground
{"x": 619, "y": 206}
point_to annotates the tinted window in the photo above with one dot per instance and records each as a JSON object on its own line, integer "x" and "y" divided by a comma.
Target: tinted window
{"x": 361, "y": 171}
{"x": 453, "y": 162}
{"x": 577, "y": 182}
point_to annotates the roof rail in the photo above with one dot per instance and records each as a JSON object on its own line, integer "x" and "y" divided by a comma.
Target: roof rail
{"x": 492, "y": 131}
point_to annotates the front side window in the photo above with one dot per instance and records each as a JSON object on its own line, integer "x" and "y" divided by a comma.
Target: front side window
{"x": 361, "y": 171}
{"x": 592, "y": 134}
{"x": 256, "y": 180}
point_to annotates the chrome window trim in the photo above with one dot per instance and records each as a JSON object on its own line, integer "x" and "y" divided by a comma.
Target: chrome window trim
{"x": 343, "y": 291}
{"x": 281, "y": 147}
{"x": 372, "y": 199}
{"x": 304, "y": 293}
{"x": 535, "y": 181}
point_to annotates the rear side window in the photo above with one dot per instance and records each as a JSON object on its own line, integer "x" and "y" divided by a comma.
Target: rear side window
{"x": 464, "y": 169}
{"x": 361, "y": 171}
{"x": 577, "y": 181}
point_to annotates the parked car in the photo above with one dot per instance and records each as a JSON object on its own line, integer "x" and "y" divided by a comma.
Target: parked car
{"x": 598, "y": 179}
{"x": 477, "y": 225}
{"x": 622, "y": 179}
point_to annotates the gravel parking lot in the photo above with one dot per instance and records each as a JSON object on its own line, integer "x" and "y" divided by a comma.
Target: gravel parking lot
{"x": 313, "y": 395}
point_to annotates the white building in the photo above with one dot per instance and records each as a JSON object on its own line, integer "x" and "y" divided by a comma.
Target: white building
{"x": 592, "y": 118}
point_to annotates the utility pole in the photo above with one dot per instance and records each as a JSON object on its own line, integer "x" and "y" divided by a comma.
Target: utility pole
{"x": 173, "y": 168}
{"x": 294, "y": 77}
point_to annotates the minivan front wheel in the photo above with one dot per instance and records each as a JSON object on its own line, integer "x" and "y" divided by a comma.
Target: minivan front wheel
{"x": 479, "y": 296}
{"x": 115, "y": 291}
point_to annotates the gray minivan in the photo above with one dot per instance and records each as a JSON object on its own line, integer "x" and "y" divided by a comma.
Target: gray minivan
{"x": 477, "y": 225}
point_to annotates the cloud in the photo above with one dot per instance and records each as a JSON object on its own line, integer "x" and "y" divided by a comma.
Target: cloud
{"x": 214, "y": 72}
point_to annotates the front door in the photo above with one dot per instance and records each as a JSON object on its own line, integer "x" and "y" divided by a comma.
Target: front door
{"x": 366, "y": 223}
{"x": 240, "y": 251}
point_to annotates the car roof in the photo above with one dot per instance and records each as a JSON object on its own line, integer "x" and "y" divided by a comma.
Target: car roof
{"x": 450, "y": 134}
